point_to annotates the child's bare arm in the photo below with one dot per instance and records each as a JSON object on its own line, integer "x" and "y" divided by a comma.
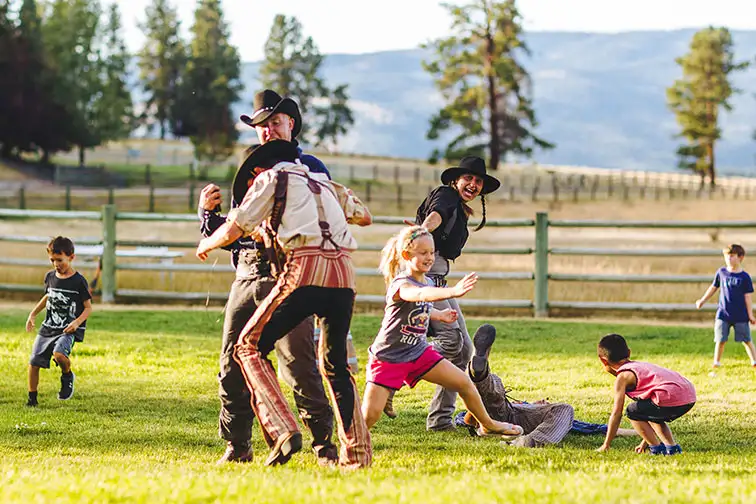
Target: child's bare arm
{"x": 749, "y": 307}
{"x": 447, "y": 316}
{"x": 620, "y": 388}
{"x": 413, "y": 294}
{"x": 80, "y": 319}
{"x": 37, "y": 308}
{"x": 709, "y": 292}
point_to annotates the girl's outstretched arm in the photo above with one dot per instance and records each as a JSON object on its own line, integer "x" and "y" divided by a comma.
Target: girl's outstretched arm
{"x": 414, "y": 294}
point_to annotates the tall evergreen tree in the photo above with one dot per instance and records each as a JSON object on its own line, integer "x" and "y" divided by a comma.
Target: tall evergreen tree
{"x": 210, "y": 86}
{"x": 115, "y": 118}
{"x": 292, "y": 68}
{"x": 696, "y": 99}
{"x": 161, "y": 62}
{"x": 334, "y": 118}
{"x": 70, "y": 35}
{"x": 487, "y": 89}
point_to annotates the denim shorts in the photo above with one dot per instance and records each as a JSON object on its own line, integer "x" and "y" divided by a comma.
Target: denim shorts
{"x": 45, "y": 346}
{"x": 722, "y": 331}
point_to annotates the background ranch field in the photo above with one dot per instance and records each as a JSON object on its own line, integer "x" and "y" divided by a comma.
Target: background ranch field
{"x": 142, "y": 424}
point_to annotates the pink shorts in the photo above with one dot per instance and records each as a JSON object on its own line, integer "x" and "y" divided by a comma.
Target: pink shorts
{"x": 394, "y": 375}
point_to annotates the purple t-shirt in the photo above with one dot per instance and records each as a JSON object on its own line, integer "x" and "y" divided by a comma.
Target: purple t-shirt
{"x": 734, "y": 286}
{"x": 403, "y": 333}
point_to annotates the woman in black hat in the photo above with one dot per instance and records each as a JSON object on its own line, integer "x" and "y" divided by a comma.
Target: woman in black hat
{"x": 445, "y": 213}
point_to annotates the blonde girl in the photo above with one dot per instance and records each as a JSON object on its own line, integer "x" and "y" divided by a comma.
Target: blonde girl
{"x": 400, "y": 354}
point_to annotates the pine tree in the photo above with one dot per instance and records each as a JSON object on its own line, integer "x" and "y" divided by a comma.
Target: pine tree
{"x": 292, "y": 68}
{"x": 211, "y": 85}
{"x": 334, "y": 119}
{"x": 487, "y": 90}
{"x": 70, "y": 35}
{"x": 161, "y": 63}
{"x": 697, "y": 97}
{"x": 115, "y": 118}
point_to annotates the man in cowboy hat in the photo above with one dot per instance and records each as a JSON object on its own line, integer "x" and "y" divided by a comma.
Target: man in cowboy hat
{"x": 273, "y": 118}
{"x": 313, "y": 214}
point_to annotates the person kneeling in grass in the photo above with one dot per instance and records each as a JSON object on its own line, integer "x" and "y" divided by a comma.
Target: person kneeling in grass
{"x": 400, "y": 353}
{"x": 661, "y": 395}
{"x": 543, "y": 422}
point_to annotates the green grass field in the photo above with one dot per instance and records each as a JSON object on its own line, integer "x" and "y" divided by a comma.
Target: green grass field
{"x": 142, "y": 424}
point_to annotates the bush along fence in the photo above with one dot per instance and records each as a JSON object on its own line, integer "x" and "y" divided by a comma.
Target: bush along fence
{"x": 111, "y": 248}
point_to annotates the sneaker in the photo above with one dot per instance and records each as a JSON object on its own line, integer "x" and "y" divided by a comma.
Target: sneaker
{"x": 236, "y": 452}
{"x": 66, "y": 387}
{"x": 657, "y": 450}
{"x": 482, "y": 341}
{"x": 673, "y": 450}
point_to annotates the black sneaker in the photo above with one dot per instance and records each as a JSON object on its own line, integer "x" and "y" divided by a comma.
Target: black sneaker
{"x": 482, "y": 341}
{"x": 66, "y": 386}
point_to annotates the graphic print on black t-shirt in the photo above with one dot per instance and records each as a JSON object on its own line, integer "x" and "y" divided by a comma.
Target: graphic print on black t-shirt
{"x": 65, "y": 302}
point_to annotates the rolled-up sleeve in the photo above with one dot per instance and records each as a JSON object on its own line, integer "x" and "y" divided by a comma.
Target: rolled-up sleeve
{"x": 257, "y": 204}
{"x": 354, "y": 209}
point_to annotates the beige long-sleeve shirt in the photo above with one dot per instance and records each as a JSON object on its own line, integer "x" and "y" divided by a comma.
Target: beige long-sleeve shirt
{"x": 299, "y": 224}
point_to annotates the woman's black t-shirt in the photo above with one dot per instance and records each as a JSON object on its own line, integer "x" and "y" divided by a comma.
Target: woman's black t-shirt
{"x": 450, "y": 237}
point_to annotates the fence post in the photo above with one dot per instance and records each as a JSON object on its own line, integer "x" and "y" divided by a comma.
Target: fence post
{"x": 399, "y": 195}
{"x": 111, "y": 196}
{"x": 151, "y": 203}
{"x": 68, "y": 197}
{"x": 191, "y": 196}
{"x": 541, "y": 301}
{"x": 367, "y": 191}
{"x": 108, "y": 253}
{"x": 22, "y": 198}
{"x": 147, "y": 174}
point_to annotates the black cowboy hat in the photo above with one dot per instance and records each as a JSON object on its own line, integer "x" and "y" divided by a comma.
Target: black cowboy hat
{"x": 474, "y": 165}
{"x": 265, "y": 155}
{"x": 267, "y": 103}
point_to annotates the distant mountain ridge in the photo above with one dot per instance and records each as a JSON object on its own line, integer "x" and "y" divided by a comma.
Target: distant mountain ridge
{"x": 600, "y": 97}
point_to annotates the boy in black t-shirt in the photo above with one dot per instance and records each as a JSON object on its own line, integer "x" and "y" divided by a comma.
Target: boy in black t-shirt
{"x": 68, "y": 304}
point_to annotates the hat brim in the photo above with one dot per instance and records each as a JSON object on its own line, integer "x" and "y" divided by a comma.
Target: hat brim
{"x": 275, "y": 150}
{"x": 490, "y": 184}
{"x": 286, "y": 106}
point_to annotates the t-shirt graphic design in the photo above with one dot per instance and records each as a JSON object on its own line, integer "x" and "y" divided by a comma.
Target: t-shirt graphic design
{"x": 417, "y": 326}
{"x": 61, "y": 308}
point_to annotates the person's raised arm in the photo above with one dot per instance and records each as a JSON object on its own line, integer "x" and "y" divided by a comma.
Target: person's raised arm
{"x": 414, "y": 294}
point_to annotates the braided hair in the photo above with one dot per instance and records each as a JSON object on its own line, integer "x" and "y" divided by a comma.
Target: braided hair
{"x": 469, "y": 211}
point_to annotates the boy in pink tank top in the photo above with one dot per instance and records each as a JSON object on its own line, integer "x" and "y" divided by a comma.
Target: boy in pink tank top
{"x": 660, "y": 395}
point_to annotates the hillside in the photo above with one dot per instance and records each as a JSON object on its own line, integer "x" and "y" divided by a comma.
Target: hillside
{"x": 600, "y": 97}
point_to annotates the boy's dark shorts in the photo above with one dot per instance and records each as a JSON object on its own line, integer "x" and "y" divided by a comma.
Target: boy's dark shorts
{"x": 646, "y": 411}
{"x": 45, "y": 346}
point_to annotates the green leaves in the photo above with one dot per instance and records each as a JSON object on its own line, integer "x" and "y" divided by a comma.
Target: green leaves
{"x": 292, "y": 68}
{"x": 697, "y": 97}
{"x": 487, "y": 90}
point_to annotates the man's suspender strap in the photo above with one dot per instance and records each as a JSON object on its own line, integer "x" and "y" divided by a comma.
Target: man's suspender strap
{"x": 316, "y": 188}
{"x": 279, "y": 200}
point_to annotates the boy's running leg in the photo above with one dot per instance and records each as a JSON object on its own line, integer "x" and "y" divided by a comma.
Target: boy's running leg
{"x": 751, "y": 351}
{"x": 62, "y": 350}
{"x": 33, "y": 385}
{"x": 718, "y": 351}
{"x": 373, "y": 403}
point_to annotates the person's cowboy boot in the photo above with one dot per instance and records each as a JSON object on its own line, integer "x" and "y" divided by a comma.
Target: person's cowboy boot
{"x": 328, "y": 456}
{"x": 388, "y": 409}
{"x": 236, "y": 452}
{"x": 286, "y": 446}
{"x": 482, "y": 341}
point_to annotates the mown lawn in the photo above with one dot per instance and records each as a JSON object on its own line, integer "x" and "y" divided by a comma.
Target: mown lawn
{"x": 142, "y": 424}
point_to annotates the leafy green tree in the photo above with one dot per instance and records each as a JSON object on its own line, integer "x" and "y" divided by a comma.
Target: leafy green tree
{"x": 210, "y": 86}
{"x": 292, "y": 68}
{"x": 115, "y": 117}
{"x": 698, "y": 96}
{"x": 161, "y": 62}
{"x": 70, "y": 34}
{"x": 8, "y": 86}
{"x": 334, "y": 118}
{"x": 486, "y": 88}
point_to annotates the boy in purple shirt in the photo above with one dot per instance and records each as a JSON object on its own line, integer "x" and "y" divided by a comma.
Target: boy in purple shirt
{"x": 735, "y": 308}
{"x": 661, "y": 395}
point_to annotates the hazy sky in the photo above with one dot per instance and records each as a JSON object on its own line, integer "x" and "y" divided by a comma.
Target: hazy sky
{"x": 359, "y": 26}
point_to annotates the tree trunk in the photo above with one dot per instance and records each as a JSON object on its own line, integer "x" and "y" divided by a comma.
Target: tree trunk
{"x": 45, "y": 157}
{"x": 162, "y": 130}
{"x": 81, "y": 155}
{"x": 710, "y": 165}
{"x": 493, "y": 105}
